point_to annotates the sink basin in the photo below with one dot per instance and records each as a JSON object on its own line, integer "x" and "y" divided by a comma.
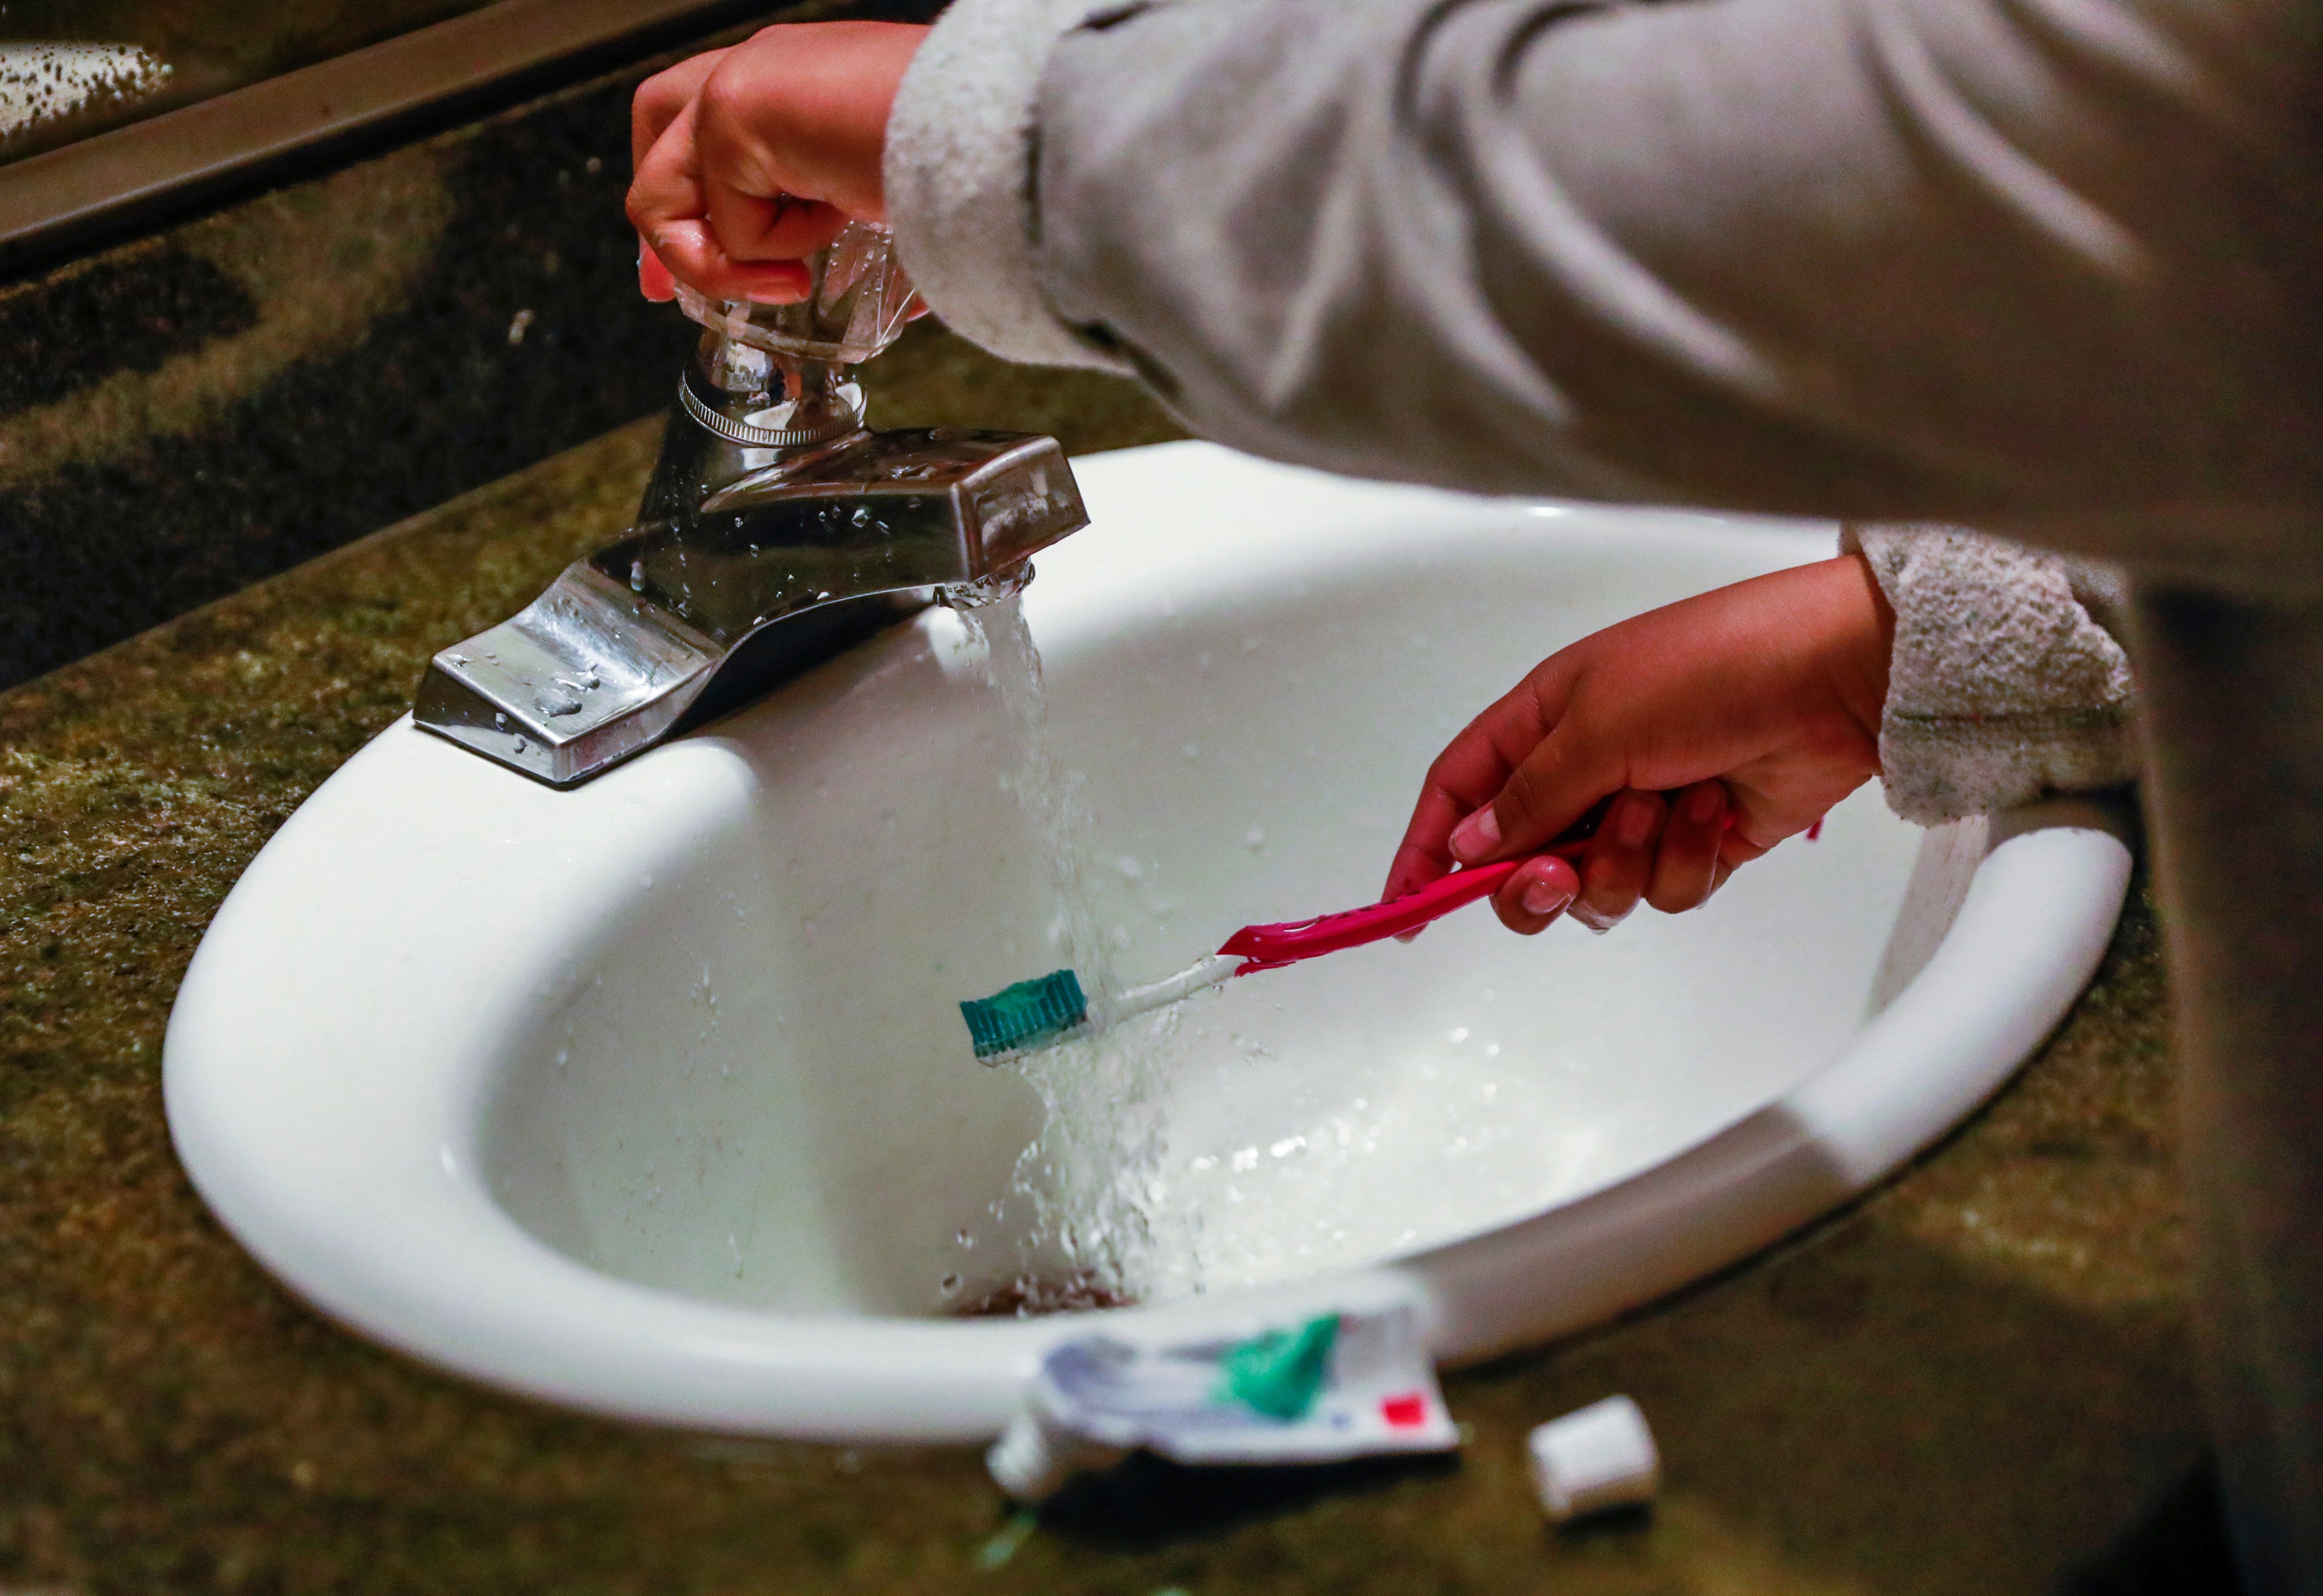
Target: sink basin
{"x": 652, "y": 1097}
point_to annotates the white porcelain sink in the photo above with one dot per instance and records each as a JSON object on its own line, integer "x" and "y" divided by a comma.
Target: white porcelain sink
{"x": 652, "y": 1097}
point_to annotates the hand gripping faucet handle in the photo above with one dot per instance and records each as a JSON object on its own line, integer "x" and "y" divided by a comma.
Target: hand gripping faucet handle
{"x": 857, "y": 301}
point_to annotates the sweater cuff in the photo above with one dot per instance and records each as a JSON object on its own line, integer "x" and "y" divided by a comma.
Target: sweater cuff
{"x": 959, "y": 174}
{"x": 2005, "y": 683}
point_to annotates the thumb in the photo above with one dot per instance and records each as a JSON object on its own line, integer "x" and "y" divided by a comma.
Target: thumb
{"x": 1553, "y": 786}
{"x": 654, "y": 280}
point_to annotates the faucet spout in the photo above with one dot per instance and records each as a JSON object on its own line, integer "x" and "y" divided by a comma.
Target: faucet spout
{"x": 774, "y": 532}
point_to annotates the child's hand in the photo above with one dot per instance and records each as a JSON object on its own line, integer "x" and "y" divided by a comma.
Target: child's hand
{"x": 748, "y": 158}
{"x": 1754, "y": 708}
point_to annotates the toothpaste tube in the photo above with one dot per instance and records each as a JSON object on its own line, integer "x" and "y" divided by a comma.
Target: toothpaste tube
{"x": 1332, "y": 1388}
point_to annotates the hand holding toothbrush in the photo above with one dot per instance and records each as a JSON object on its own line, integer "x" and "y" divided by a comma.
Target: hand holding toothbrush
{"x": 1760, "y": 701}
{"x": 1754, "y": 708}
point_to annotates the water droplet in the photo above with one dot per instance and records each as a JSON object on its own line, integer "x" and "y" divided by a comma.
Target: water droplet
{"x": 521, "y": 745}
{"x": 1255, "y": 838}
{"x": 862, "y": 516}
{"x": 1131, "y": 870}
{"x": 637, "y": 576}
{"x": 1459, "y": 1033}
{"x": 949, "y": 1286}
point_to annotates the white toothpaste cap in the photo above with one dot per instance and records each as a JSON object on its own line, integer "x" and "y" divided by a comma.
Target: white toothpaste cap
{"x": 1599, "y": 1458}
{"x": 1030, "y": 1461}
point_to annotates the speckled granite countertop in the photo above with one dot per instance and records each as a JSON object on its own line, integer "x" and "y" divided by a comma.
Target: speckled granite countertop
{"x": 1974, "y": 1381}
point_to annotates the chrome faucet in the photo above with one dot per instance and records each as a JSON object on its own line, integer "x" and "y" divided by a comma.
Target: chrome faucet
{"x": 775, "y": 532}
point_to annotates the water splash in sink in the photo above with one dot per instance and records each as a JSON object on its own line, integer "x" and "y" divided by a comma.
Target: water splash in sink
{"x": 1094, "y": 1175}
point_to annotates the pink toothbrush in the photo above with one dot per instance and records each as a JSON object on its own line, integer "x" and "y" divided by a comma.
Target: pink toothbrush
{"x": 1038, "y": 1013}
{"x": 1271, "y": 947}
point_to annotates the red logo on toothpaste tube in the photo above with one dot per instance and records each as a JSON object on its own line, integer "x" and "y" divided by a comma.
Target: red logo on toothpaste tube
{"x": 1407, "y": 1412}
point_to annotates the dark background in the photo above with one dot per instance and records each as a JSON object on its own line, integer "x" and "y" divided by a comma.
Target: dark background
{"x": 149, "y": 517}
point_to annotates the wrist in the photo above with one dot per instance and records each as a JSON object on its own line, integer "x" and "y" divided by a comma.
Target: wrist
{"x": 1861, "y": 639}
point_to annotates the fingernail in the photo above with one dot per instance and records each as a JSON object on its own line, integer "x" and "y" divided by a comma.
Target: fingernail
{"x": 1704, "y": 802}
{"x": 1546, "y": 897}
{"x": 1476, "y": 836}
{"x": 1637, "y": 821}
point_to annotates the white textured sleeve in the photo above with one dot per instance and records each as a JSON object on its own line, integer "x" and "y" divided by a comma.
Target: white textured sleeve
{"x": 958, "y": 177}
{"x": 2049, "y": 267}
{"x": 2006, "y": 682}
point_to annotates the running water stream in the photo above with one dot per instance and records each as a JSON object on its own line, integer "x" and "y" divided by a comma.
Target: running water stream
{"x": 1093, "y": 1176}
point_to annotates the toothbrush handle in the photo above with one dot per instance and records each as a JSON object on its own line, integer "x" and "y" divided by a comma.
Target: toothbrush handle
{"x": 1269, "y": 944}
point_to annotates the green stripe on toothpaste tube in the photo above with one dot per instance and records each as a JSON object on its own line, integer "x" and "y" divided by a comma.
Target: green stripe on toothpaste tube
{"x": 1325, "y": 1389}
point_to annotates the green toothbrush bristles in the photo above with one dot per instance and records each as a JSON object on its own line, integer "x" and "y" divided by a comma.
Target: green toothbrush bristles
{"x": 1008, "y": 1018}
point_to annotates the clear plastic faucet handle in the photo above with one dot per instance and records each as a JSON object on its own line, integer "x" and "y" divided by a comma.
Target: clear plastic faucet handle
{"x": 857, "y": 302}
